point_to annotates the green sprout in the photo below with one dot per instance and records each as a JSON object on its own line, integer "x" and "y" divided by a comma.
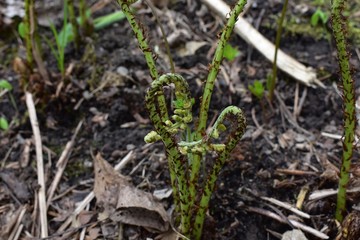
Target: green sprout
{"x": 104, "y": 21}
{"x": 22, "y": 30}
{"x": 61, "y": 39}
{"x": 230, "y": 53}
{"x": 319, "y": 16}
{"x": 5, "y": 87}
{"x": 70, "y": 32}
{"x": 4, "y": 124}
{"x": 339, "y": 25}
{"x": 257, "y": 89}
{"x": 99, "y": 23}
{"x": 187, "y": 148}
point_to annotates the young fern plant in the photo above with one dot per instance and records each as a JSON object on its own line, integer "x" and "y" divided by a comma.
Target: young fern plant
{"x": 186, "y": 149}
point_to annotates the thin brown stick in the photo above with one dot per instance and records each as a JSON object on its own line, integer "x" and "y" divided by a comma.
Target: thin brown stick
{"x": 83, "y": 231}
{"x": 295, "y": 172}
{"x": 61, "y": 164}
{"x": 39, "y": 163}
{"x": 15, "y": 232}
{"x": 287, "y": 206}
{"x": 302, "y": 101}
{"x": 289, "y": 116}
{"x": 34, "y": 225}
{"x": 296, "y": 102}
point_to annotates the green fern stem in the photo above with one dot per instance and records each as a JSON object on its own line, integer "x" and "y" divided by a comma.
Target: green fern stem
{"x": 339, "y": 25}
{"x": 208, "y": 89}
{"x": 272, "y": 81}
{"x": 139, "y": 33}
{"x": 234, "y": 137}
{"x": 215, "y": 66}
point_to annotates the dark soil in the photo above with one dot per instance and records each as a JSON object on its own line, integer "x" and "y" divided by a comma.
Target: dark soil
{"x": 115, "y": 122}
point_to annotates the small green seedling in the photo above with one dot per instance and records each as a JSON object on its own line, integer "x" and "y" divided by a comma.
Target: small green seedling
{"x": 4, "y": 86}
{"x": 66, "y": 35}
{"x": 319, "y": 16}
{"x": 4, "y": 125}
{"x": 61, "y": 40}
{"x": 257, "y": 89}
{"x": 22, "y": 30}
{"x": 104, "y": 21}
{"x": 99, "y": 23}
{"x": 230, "y": 52}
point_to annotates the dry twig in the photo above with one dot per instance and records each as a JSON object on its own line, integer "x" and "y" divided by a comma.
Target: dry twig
{"x": 61, "y": 164}
{"x": 40, "y": 164}
{"x": 287, "y": 206}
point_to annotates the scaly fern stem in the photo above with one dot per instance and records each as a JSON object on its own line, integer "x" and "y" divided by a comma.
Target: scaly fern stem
{"x": 339, "y": 25}
{"x": 144, "y": 47}
{"x": 215, "y": 66}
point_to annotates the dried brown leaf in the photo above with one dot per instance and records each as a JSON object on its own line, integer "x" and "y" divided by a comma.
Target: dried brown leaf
{"x": 17, "y": 185}
{"x": 122, "y": 202}
{"x": 93, "y": 234}
{"x": 85, "y": 217}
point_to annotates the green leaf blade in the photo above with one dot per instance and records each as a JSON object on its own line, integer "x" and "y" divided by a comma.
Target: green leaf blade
{"x": 5, "y": 85}
{"x": 4, "y": 125}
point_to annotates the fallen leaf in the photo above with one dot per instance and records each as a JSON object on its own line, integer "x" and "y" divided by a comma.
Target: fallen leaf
{"x": 17, "y": 186}
{"x": 122, "y": 202}
{"x": 190, "y": 48}
{"x": 93, "y": 234}
{"x": 85, "y": 217}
